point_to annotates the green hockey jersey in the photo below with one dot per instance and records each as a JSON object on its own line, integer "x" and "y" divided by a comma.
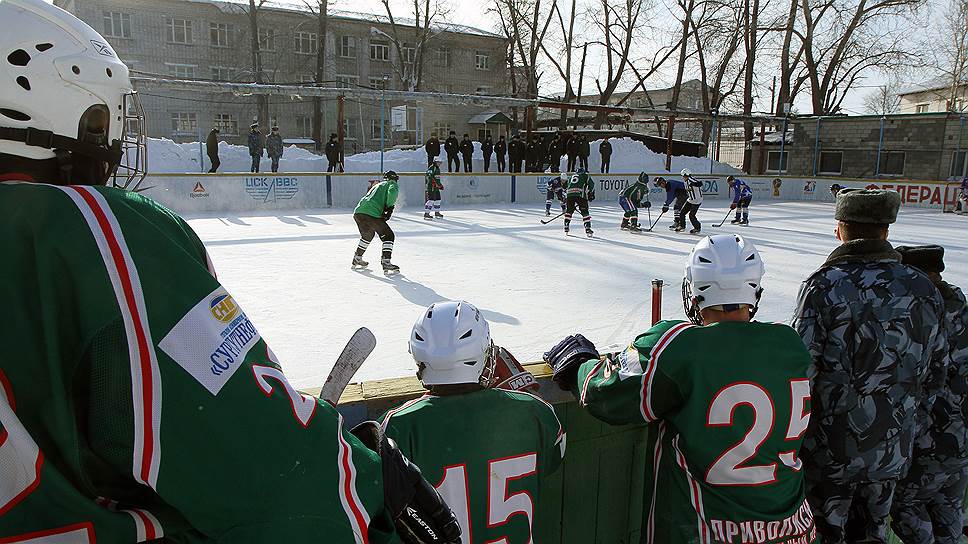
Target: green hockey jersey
{"x": 486, "y": 452}
{"x": 580, "y": 184}
{"x": 729, "y": 404}
{"x": 380, "y": 197}
{"x": 137, "y": 399}
{"x": 432, "y": 178}
{"x": 636, "y": 192}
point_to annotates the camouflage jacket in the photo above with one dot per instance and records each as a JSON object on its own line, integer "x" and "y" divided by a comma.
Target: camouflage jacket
{"x": 945, "y": 441}
{"x": 874, "y": 330}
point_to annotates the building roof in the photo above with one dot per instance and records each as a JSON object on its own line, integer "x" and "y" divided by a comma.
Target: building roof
{"x": 933, "y": 84}
{"x": 490, "y": 117}
{"x": 300, "y": 7}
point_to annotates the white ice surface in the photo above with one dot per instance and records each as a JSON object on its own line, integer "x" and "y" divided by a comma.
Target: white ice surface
{"x": 291, "y": 274}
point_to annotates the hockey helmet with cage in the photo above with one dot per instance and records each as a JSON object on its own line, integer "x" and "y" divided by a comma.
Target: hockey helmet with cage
{"x": 451, "y": 343}
{"x": 390, "y": 175}
{"x": 724, "y": 270}
{"x": 65, "y": 95}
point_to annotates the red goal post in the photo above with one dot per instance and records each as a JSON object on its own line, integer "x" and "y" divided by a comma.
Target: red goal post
{"x": 952, "y": 192}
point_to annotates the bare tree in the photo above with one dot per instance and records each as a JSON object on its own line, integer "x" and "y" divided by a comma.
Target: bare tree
{"x": 884, "y": 99}
{"x": 256, "y": 72}
{"x": 410, "y": 39}
{"x": 950, "y": 55}
{"x": 616, "y": 23}
{"x": 716, "y": 32}
{"x": 320, "y": 12}
{"x": 525, "y": 25}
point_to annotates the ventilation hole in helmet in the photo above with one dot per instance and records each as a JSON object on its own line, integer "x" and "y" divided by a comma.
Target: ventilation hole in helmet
{"x": 753, "y": 285}
{"x": 14, "y": 114}
{"x": 467, "y": 334}
{"x": 18, "y": 58}
{"x": 43, "y": 46}
{"x": 704, "y": 260}
{"x": 23, "y": 82}
{"x": 703, "y": 287}
{"x": 417, "y": 336}
{"x": 76, "y": 69}
{"x": 109, "y": 72}
{"x": 470, "y": 363}
{"x": 752, "y": 257}
{"x": 430, "y": 312}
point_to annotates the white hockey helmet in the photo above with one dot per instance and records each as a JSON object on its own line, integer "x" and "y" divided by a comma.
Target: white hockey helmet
{"x": 723, "y": 270}
{"x": 451, "y": 343}
{"x": 65, "y": 94}
{"x": 685, "y": 173}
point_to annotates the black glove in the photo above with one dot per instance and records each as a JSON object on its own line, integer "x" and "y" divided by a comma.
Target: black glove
{"x": 565, "y": 358}
{"x": 665, "y": 208}
{"x": 647, "y": 204}
{"x": 591, "y": 196}
{"x": 417, "y": 509}
{"x": 387, "y": 212}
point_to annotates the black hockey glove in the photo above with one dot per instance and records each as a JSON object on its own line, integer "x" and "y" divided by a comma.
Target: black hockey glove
{"x": 387, "y": 212}
{"x": 591, "y": 196}
{"x": 647, "y": 204}
{"x": 665, "y": 208}
{"x": 565, "y": 358}
{"x": 417, "y": 509}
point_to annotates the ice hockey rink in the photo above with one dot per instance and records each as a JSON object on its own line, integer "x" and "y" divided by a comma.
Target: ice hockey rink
{"x": 291, "y": 273}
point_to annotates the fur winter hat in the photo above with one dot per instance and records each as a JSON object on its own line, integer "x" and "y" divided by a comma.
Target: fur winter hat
{"x": 925, "y": 258}
{"x": 868, "y": 206}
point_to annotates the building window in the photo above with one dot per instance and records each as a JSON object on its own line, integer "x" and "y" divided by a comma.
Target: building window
{"x": 117, "y": 25}
{"x": 379, "y": 83}
{"x": 267, "y": 39}
{"x": 892, "y": 163}
{"x": 305, "y": 43}
{"x": 182, "y": 71}
{"x": 481, "y": 60}
{"x": 219, "y": 34}
{"x": 227, "y": 124}
{"x": 347, "y": 47}
{"x": 349, "y": 129}
{"x": 307, "y": 78}
{"x": 442, "y": 57}
{"x": 483, "y": 133}
{"x": 483, "y": 89}
{"x": 184, "y": 123}
{"x": 375, "y": 130}
{"x": 304, "y": 126}
{"x": 379, "y": 51}
{"x": 179, "y": 30}
{"x": 347, "y": 81}
{"x": 775, "y": 163}
{"x": 831, "y": 162}
{"x": 221, "y": 73}
{"x": 958, "y": 164}
{"x": 441, "y": 129}
{"x": 922, "y": 108}
{"x": 409, "y": 53}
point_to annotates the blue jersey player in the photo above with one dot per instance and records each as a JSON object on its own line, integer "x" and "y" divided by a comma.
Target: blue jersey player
{"x": 555, "y": 191}
{"x": 742, "y": 196}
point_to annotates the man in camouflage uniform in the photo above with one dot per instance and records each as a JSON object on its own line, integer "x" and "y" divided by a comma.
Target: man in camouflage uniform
{"x": 928, "y": 501}
{"x": 873, "y": 328}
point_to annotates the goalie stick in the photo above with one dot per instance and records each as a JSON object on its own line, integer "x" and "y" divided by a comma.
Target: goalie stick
{"x": 358, "y": 348}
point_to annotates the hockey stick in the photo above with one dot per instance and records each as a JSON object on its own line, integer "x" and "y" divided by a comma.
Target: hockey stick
{"x": 652, "y": 226}
{"x": 546, "y": 221}
{"x": 359, "y": 347}
{"x": 724, "y": 218}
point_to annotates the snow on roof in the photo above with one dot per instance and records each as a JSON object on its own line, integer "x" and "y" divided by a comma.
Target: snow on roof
{"x": 298, "y": 141}
{"x": 232, "y": 6}
{"x": 492, "y": 116}
{"x": 935, "y": 83}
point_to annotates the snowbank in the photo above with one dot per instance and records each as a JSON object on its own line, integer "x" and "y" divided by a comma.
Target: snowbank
{"x": 628, "y": 156}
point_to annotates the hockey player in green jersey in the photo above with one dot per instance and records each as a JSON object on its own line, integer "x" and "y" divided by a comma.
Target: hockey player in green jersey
{"x": 489, "y": 449}
{"x": 371, "y": 216}
{"x": 432, "y": 179}
{"x": 727, "y": 401}
{"x": 138, "y": 402}
{"x": 579, "y": 191}
{"x": 631, "y": 200}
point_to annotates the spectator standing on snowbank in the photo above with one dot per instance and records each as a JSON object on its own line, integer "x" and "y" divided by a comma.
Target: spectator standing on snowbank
{"x": 467, "y": 152}
{"x": 605, "y": 149}
{"x": 211, "y": 147}
{"x": 584, "y": 151}
{"x": 554, "y": 153}
{"x": 533, "y": 157}
{"x": 452, "y": 148}
{"x": 487, "y": 147}
{"x": 257, "y": 143}
{"x": 500, "y": 150}
{"x": 274, "y": 148}
{"x": 433, "y": 149}
{"x": 334, "y": 154}
{"x": 571, "y": 149}
{"x": 516, "y": 153}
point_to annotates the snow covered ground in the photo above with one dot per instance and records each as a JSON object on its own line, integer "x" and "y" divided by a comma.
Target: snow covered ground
{"x": 291, "y": 274}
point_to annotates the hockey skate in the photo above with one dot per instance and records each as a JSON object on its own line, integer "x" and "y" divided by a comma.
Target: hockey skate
{"x": 635, "y": 228}
{"x": 358, "y": 262}
{"x": 438, "y": 215}
{"x": 589, "y": 232}
{"x": 694, "y": 231}
{"x": 624, "y": 225}
{"x": 428, "y": 216}
{"x": 679, "y": 229}
{"x": 674, "y": 227}
{"x": 547, "y": 213}
{"x": 736, "y": 221}
{"x": 389, "y": 268}
{"x": 745, "y": 222}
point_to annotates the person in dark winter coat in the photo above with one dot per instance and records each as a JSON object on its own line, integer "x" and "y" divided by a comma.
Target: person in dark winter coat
{"x": 334, "y": 154}
{"x": 571, "y": 149}
{"x": 532, "y": 156}
{"x": 554, "y": 153}
{"x": 211, "y": 147}
{"x": 487, "y": 147}
{"x": 433, "y": 149}
{"x": 467, "y": 152}
{"x": 584, "y": 151}
{"x": 256, "y": 144}
{"x": 452, "y": 148}
{"x": 274, "y": 148}
{"x": 500, "y": 150}
{"x": 516, "y": 153}
{"x": 605, "y": 150}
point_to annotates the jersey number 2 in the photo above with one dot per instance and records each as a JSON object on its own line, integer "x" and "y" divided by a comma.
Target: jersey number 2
{"x": 728, "y": 468}
{"x": 19, "y": 454}
{"x": 500, "y": 506}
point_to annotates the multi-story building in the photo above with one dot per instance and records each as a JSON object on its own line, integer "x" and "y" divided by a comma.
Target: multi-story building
{"x": 211, "y": 40}
{"x": 934, "y": 95}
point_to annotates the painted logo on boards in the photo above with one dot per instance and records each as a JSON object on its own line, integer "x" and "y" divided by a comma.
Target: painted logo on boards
{"x": 224, "y": 309}
{"x": 199, "y": 191}
{"x": 809, "y": 187}
{"x": 777, "y": 183}
{"x": 269, "y": 189}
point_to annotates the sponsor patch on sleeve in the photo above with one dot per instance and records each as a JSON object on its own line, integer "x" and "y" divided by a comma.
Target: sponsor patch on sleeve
{"x": 629, "y": 363}
{"x": 211, "y": 340}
